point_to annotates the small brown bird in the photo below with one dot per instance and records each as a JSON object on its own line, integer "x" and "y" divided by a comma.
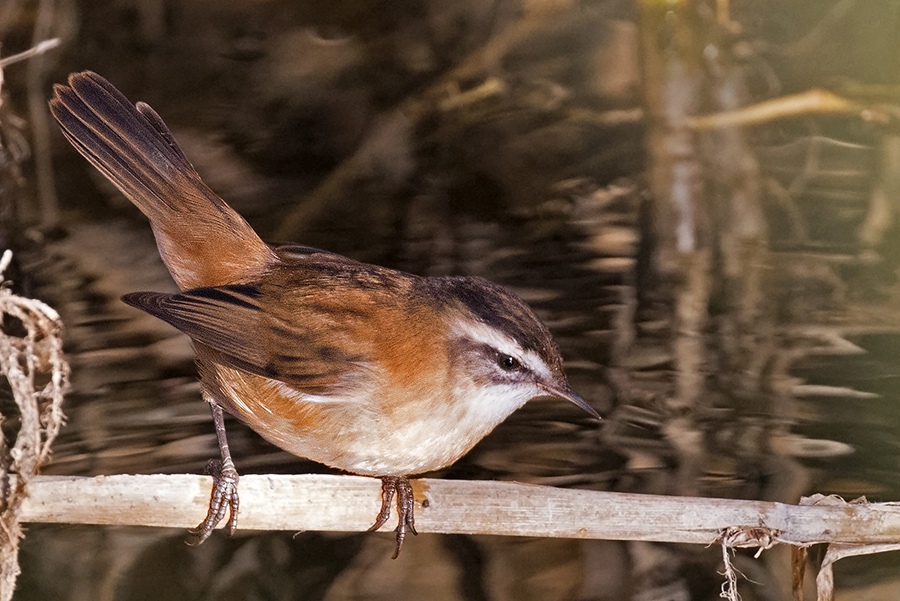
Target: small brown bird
{"x": 363, "y": 368}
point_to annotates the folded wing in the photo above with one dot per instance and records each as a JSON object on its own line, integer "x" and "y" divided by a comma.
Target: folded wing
{"x": 233, "y": 320}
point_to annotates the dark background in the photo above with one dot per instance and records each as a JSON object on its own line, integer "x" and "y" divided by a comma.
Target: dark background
{"x": 504, "y": 139}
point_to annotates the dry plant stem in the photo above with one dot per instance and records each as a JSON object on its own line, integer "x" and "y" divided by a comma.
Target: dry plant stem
{"x": 306, "y": 502}
{"x": 745, "y": 333}
{"x": 39, "y": 119}
{"x": 673, "y": 81}
{"x": 813, "y": 102}
{"x": 885, "y": 197}
{"x": 825, "y": 578}
{"x": 39, "y": 49}
{"x": 746, "y": 536}
{"x": 691, "y": 302}
{"x": 729, "y": 587}
{"x": 799, "y": 555}
{"x": 38, "y": 376}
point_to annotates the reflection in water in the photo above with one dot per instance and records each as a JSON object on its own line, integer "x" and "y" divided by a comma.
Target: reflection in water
{"x": 145, "y": 416}
{"x": 538, "y": 187}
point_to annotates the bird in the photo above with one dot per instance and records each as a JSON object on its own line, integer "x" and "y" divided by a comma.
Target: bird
{"x": 363, "y": 368}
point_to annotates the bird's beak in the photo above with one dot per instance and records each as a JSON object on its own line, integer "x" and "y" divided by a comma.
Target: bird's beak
{"x": 567, "y": 395}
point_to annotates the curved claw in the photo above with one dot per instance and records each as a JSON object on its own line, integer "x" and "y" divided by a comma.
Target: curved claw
{"x": 224, "y": 498}
{"x": 405, "y": 508}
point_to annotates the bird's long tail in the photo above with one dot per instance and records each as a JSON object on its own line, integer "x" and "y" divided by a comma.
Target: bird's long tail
{"x": 202, "y": 240}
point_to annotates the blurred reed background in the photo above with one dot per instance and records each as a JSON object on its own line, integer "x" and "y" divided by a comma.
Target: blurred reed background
{"x": 507, "y": 139}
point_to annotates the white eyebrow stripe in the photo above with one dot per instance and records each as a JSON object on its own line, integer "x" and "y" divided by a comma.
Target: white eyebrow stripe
{"x": 533, "y": 362}
{"x": 496, "y": 339}
{"x": 488, "y": 335}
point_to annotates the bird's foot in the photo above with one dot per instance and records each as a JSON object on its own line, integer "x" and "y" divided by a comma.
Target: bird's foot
{"x": 224, "y": 497}
{"x": 405, "y": 505}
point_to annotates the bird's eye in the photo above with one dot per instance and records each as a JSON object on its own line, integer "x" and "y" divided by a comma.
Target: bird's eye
{"x": 508, "y": 362}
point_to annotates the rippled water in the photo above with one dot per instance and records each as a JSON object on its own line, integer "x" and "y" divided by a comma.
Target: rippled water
{"x": 542, "y": 187}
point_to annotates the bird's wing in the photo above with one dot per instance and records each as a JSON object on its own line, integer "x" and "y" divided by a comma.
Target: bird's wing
{"x": 291, "y": 342}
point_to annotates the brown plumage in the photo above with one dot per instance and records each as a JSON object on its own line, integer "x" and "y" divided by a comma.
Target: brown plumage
{"x": 363, "y": 368}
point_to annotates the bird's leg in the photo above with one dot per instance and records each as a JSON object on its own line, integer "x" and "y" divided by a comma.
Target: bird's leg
{"x": 387, "y": 495}
{"x": 225, "y": 480}
{"x": 405, "y": 504}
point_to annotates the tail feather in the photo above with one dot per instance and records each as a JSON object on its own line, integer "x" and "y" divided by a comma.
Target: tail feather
{"x": 201, "y": 239}
{"x": 138, "y": 154}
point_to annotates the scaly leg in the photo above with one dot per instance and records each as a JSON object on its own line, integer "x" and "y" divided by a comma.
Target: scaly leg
{"x": 225, "y": 480}
{"x": 405, "y": 504}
